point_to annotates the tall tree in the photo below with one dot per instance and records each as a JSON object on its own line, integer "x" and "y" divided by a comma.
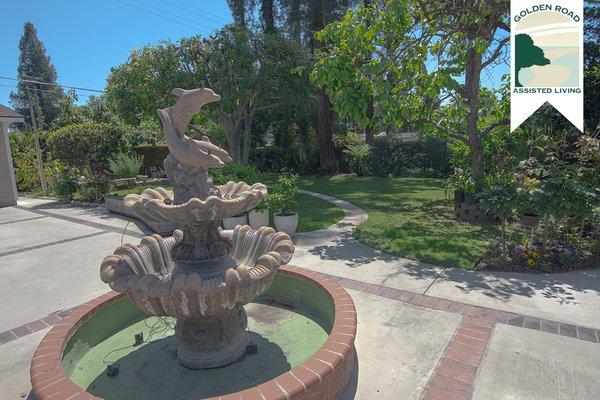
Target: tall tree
{"x": 592, "y": 34}
{"x": 238, "y": 11}
{"x": 429, "y": 53}
{"x": 267, "y": 13}
{"x": 35, "y": 65}
{"x": 592, "y": 69}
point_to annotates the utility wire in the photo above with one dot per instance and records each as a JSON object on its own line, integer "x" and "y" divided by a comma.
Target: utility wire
{"x": 194, "y": 12}
{"x": 204, "y": 11}
{"x": 196, "y": 28}
{"x": 51, "y": 84}
{"x": 42, "y": 90}
{"x": 191, "y": 21}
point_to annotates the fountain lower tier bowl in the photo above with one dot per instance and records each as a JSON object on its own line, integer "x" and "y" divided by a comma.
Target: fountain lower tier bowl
{"x": 303, "y": 327}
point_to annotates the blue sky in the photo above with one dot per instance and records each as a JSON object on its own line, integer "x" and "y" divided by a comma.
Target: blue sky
{"x": 85, "y": 38}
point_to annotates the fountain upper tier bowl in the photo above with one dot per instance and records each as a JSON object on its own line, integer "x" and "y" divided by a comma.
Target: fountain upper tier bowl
{"x": 235, "y": 198}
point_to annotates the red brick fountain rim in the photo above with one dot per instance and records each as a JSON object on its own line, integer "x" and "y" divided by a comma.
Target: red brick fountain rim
{"x": 323, "y": 376}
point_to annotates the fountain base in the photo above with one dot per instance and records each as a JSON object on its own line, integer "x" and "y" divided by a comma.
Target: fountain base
{"x": 212, "y": 341}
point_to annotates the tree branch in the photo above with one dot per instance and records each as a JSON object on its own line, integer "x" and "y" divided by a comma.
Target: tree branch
{"x": 493, "y": 126}
{"x": 497, "y": 52}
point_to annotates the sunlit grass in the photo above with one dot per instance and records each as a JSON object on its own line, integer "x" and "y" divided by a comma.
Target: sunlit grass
{"x": 410, "y": 217}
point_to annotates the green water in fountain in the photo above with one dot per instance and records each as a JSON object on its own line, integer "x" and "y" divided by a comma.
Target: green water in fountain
{"x": 288, "y": 325}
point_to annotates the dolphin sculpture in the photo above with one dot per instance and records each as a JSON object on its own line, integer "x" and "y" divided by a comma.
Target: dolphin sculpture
{"x": 195, "y": 153}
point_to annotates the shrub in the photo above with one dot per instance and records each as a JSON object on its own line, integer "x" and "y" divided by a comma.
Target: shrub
{"x": 153, "y": 155}
{"x": 65, "y": 184}
{"x": 235, "y": 173}
{"x": 426, "y": 158}
{"x": 88, "y": 144}
{"x": 270, "y": 159}
{"x": 358, "y": 158}
{"x": 92, "y": 188}
{"x": 283, "y": 199}
{"x": 124, "y": 165}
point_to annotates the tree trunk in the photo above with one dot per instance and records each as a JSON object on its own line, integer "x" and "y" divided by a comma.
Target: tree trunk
{"x": 472, "y": 79}
{"x": 267, "y": 15}
{"x": 369, "y": 130}
{"x": 327, "y": 162}
{"x": 232, "y": 132}
{"x": 247, "y": 136}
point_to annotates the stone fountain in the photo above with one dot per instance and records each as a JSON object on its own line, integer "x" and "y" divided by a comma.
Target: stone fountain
{"x": 202, "y": 275}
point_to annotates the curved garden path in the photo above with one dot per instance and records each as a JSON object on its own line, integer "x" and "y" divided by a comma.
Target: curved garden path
{"x": 572, "y": 298}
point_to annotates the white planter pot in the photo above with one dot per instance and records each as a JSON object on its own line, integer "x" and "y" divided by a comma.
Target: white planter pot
{"x": 286, "y": 223}
{"x": 230, "y": 223}
{"x": 258, "y": 219}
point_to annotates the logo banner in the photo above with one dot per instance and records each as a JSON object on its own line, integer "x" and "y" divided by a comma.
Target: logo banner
{"x": 547, "y": 59}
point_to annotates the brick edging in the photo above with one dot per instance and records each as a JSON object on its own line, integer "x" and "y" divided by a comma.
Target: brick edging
{"x": 454, "y": 376}
{"x": 324, "y": 375}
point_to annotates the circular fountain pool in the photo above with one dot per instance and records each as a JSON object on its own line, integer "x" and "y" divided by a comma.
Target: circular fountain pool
{"x": 303, "y": 328}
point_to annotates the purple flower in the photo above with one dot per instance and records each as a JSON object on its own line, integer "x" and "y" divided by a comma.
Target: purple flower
{"x": 519, "y": 250}
{"x": 572, "y": 251}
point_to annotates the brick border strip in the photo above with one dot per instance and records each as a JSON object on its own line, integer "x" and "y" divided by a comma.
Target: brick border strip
{"x": 323, "y": 376}
{"x": 50, "y": 244}
{"x": 90, "y": 224}
{"x": 484, "y": 313}
{"x": 454, "y": 376}
{"x": 23, "y": 220}
{"x": 34, "y": 326}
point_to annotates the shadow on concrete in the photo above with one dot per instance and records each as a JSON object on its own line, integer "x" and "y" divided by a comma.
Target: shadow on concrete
{"x": 352, "y": 386}
{"x": 561, "y": 287}
{"x": 347, "y": 250}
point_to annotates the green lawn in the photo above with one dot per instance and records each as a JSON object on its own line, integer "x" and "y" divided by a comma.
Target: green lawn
{"x": 409, "y": 217}
{"x": 314, "y": 212}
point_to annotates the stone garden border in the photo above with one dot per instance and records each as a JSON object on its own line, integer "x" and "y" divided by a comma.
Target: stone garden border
{"x": 323, "y": 376}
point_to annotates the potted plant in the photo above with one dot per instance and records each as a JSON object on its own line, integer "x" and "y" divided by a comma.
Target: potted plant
{"x": 259, "y": 217}
{"x": 283, "y": 201}
{"x": 232, "y": 222}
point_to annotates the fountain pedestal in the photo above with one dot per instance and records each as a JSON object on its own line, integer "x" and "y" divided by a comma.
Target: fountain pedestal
{"x": 210, "y": 342}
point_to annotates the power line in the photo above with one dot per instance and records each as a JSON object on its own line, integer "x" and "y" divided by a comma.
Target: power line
{"x": 51, "y": 84}
{"x": 204, "y": 11}
{"x": 191, "y": 21}
{"x": 196, "y": 28}
{"x": 195, "y": 13}
{"x": 42, "y": 90}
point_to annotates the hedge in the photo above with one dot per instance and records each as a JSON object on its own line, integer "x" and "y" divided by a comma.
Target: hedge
{"x": 89, "y": 144}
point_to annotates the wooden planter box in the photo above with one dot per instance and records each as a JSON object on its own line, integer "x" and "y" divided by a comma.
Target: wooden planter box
{"x": 470, "y": 211}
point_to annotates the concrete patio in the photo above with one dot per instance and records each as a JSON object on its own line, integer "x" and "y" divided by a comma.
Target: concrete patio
{"x": 425, "y": 332}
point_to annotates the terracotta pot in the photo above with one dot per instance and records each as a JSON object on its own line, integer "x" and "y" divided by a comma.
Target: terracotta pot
{"x": 258, "y": 219}
{"x": 230, "y": 223}
{"x": 286, "y": 223}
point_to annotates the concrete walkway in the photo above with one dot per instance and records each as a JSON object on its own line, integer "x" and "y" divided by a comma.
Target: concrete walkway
{"x": 424, "y": 331}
